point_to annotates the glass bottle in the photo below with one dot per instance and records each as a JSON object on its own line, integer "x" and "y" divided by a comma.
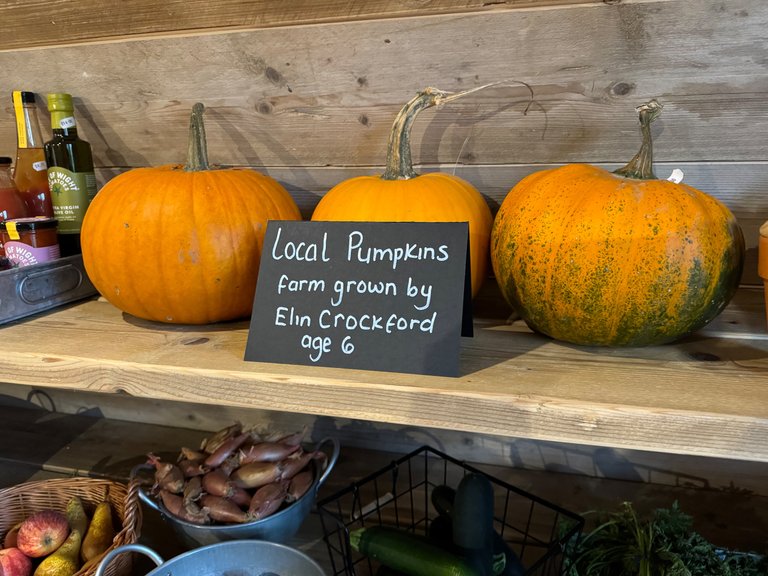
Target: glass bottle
{"x": 70, "y": 172}
{"x": 11, "y": 203}
{"x": 30, "y": 170}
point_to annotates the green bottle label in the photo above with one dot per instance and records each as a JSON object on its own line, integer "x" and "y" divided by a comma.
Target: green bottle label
{"x": 71, "y": 194}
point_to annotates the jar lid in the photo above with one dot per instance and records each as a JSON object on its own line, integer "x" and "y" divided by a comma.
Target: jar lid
{"x": 30, "y": 224}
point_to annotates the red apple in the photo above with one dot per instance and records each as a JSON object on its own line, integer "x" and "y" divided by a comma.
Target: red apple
{"x": 42, "y": 533}
{"x": 13, "y": 562}
{"x": 10, "y": 537}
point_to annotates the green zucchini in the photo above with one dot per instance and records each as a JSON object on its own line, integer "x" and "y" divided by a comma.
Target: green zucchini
{"x": 409, "y": 553}
{"x": 505, "y": 561}
{"x": 472, "y": 515}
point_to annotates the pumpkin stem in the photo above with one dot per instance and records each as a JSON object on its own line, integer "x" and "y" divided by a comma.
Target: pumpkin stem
{"x": 197, "y": 153}
{"x": 641, "y": 166}
{"x": 399, "y": 163}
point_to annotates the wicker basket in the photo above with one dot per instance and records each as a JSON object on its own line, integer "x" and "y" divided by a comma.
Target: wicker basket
{"x": 21, "y": 501}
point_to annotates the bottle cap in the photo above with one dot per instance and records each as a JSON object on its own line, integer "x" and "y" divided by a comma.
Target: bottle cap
{"x": 27, "y": 97}
{"x": 60, "y": 101}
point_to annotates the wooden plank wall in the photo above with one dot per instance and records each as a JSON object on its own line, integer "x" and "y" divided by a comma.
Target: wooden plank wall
{"x": 307, "y": 91}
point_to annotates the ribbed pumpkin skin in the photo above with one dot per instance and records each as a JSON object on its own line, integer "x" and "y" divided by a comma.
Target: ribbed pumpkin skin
{"x": 593, "y": 258}
{"x": 181, "y": 247}
{"x": 431, "y": 197}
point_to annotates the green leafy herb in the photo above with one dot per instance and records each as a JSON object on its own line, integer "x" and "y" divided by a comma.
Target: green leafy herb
{"x": 665, "y": 544}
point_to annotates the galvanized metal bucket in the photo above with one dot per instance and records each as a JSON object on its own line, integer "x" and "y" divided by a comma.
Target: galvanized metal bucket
{"x": 242, "y": 557}
{"x": 278, "y": 527}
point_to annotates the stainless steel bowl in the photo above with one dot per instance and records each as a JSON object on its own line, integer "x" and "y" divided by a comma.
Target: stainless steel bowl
{"x": 278, "y": 527}
{"x": 242, "y": 557}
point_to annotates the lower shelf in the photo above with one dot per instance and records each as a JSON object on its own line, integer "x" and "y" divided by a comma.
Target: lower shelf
{"x": 38, "y": 444}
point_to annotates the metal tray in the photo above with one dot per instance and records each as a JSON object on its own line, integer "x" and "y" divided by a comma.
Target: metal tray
{"x": 31, "y": 289}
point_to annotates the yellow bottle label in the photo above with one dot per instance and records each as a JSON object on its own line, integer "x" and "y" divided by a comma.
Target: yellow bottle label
{"x": 13, "y": 234}
{"x": 21, "y": 128}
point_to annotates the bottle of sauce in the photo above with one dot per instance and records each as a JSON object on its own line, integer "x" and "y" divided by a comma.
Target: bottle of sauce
{"x": 30, "y": 172}
{"x": 11, "y": 203}
{"x": 70, "y": 173}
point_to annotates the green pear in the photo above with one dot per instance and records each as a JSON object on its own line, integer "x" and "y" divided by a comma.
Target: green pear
{"x": 65, "y": 561}
{"x": 76, "y": 516}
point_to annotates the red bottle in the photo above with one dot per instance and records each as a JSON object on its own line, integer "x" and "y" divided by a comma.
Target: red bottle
{"x": 30, "y": 171}
{"x": 12, "y": 205}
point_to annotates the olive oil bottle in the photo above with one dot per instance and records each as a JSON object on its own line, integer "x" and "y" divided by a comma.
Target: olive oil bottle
{"x": 70, "y": 172}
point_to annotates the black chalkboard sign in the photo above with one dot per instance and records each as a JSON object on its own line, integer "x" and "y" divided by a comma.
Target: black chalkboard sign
{"x": 391, "y": 296}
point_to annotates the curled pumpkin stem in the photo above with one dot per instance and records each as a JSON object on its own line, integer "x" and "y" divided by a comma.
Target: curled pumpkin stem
{"x": 399, "y": 163}
{"x": 197, "y": 152}
{"x": 641, "y": 166}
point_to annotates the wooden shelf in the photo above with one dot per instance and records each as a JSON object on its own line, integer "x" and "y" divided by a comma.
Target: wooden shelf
{"x": 707, "y": 395}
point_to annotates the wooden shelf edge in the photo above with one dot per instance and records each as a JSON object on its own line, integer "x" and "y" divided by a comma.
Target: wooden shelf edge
{"x": 705, "y": 397}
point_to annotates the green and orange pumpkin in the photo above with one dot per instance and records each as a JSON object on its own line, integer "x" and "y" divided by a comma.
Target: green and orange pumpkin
{"x": 592, "y": 257}
{"x": 182, "y": 244}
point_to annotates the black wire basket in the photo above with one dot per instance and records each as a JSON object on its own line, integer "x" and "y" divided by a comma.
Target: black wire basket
{"x": 399, "y": 496}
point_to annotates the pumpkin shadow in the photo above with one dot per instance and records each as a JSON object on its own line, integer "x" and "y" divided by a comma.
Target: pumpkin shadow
{"x": 306, "y": 197}
{"x": 468, "y": 119}
{"x": 200, "y": 329}
{"x": 107, "y": 148}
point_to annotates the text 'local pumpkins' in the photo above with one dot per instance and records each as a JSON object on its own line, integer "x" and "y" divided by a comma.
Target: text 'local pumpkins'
{"x": 615, "y": 259}
{"x": 182, "y": 244}
{"x": 402, "y": 195}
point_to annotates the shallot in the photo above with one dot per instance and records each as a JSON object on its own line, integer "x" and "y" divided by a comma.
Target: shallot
{"x": 236, "y": 476}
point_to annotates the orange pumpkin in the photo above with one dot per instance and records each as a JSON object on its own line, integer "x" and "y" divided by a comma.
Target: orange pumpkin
{"x": 182, "y": 244}
{"x": 619, "y": 259}
{"x": 402, "y": 195}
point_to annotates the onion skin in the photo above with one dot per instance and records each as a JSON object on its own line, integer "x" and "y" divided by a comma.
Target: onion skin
{"x": 267, "y": 500}
{"x": 294, "y": 464}
{"x": 240, "y": 496}
{"x": 190, "y": 454}
{"x": 223, "y": 510}
{"x": 188, "y": 511}
{"x": 211, "y": 444}
{"x": 190, "y": 468}
{"x": 225, "y": 450}
{"x": 216, "y": 482}
{"x": 167, "y": 476}
{"x": 172, "y": 502}
{"x": 296, "y": 438}
{"x": 299, "y": 485}
{"x": 266, "y": 452}
{"x": 193, "y": 490}
{"x": 257, "y": 474}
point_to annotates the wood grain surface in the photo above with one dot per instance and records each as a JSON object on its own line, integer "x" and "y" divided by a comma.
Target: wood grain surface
{"x": 57, "y": 22}
{"x": 313, "y": 105}
{"x": 703, "y": 396}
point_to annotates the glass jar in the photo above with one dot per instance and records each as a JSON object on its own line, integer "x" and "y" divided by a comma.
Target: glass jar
{"x": 29, "y": 241}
